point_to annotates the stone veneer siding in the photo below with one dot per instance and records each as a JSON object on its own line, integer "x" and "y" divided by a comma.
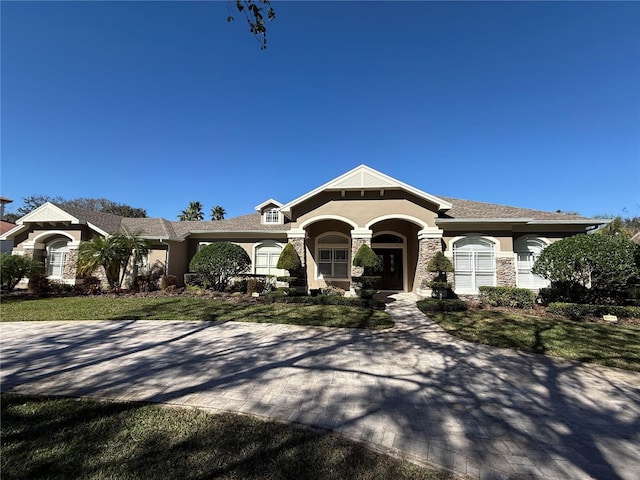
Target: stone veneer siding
{"x": 70, "y": 267}
{"x": 427, "y": 248}
{"x": 298, "y": 244}
{"x": 356, "y": 243}
{"x": 505, "y": 272}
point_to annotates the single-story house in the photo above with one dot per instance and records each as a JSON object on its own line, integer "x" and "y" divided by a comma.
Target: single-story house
{"x": 488, "y": 244}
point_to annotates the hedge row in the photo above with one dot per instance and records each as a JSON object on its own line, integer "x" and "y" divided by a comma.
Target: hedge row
{"x": 507, "y": 297}
{"x": 277, "y": 297}
{"x": 577, "y": 310}
{"x": 444, "y": 305}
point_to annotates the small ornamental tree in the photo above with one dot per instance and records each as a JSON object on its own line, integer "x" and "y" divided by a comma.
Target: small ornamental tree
{"x": 290, "y": 260}
{"x": 441, "y": 265}
{"x": 14, "y": 268}
{"x": 366, "y": 258}
{"x": 599, "y": 267}
{"x": 219, "y": 262}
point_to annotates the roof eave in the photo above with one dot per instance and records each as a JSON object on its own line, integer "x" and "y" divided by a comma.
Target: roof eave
{"x": 14, "y": 231}
{"x": 441, "y": 204}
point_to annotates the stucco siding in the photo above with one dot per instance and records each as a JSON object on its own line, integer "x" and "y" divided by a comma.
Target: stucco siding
{"x": 362, "y": 210}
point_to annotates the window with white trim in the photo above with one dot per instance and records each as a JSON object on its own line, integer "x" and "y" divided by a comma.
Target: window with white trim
{"x": 266, "y": 259}
{"x": 57, "y": 258}
{"x": 272, "y": 215}
{"x": 528, "y": 250}
{"x": 474, "y": 264}
{"x": 333, "y": 256}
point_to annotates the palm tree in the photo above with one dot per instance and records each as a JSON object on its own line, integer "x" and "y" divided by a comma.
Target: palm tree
{"x": 112, "y": 253}
{"x": 218, "y": 213}
{"x": 192, "y": 212}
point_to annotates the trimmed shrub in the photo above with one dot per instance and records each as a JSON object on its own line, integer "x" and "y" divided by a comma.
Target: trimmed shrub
{"x": 255, "y": 285}
{"x": 90, "y": 286}
{"x": 219, "y": 262}
{"x": 289, "y": 258}
{"x": 441, "y": 264}
{"x": 507, "y": 297}
{"x": 444, "y": 305}
{"x": 39, "y": 283}
{"x": 576, "y": 311}
{"x": 366, "y": 258}
{"x": 194, "y": 280}
{"x": 168, "y": 282}
{"x": 603, "y": 264}
{"x": 14, "y": 268}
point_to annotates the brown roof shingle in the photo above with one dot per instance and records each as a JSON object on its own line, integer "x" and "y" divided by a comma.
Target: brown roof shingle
{"x": 104, "y": 221}
{"x": 468, "y": 209}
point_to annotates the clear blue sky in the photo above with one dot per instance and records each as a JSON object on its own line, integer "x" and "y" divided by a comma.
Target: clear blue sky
{"x": 155, "y": 104}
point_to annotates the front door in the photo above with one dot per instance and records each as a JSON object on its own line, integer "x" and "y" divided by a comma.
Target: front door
{"x": 392, "y": 273}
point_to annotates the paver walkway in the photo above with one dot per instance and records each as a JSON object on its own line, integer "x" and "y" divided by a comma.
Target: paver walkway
{"x": 414, "y": 390}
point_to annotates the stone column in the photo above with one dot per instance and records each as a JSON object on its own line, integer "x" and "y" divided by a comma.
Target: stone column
{"x": 429, "y": 243}
{"x": 506, "y": 271}
{"x": 296, "y": 237}
{"x": 359, "y": 237}
{"x": 69, "y": 273}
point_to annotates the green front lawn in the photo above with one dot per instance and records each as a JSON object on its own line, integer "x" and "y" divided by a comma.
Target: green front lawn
{"x": 610, "y": 345}
{"x": 188, "y": 308}
{"x": 48, "y": 437}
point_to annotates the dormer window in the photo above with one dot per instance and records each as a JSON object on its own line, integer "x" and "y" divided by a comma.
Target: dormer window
{"x": 272, "y": 215}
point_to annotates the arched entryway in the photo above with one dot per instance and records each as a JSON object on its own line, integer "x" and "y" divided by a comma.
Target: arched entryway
{"x": 391, "y": 249}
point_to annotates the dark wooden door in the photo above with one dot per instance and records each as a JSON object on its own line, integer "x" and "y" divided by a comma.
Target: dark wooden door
{"x": 392, "y": 269}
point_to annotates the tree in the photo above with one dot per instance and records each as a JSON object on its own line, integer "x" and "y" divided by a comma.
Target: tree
{"x": 32, "y": 202}
{"x": 600, "y": 265}
{"x": 192, "y": 212}
{"x": 616, "y": 227}
{"x": 14, "y": 268}
{"x": 29, "y": 204}
{"x": 441, "y": 265}
{"x": 219, "y": 262}
{"x": 112, "y": 253}
{"x": 218, "y": 213}
{"x": 255, "y": 18}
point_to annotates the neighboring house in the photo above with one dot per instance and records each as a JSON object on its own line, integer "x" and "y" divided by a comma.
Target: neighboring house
{"x": 6, "y": 245}
{"x": 488, "y": 244}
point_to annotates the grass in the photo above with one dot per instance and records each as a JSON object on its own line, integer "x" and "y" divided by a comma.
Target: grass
{"x": 610, "y": 345}
{"x": 62, "y": 438}
{"x": 188, "y": 308}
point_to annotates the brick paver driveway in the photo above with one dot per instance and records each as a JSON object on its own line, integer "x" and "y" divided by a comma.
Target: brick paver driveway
{"x": 414, "y": 390}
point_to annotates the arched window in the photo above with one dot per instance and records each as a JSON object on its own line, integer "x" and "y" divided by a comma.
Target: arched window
{"x": 266, "y": 258}
{"x": 57, "y": 258}
{"x": 528, "y": 250}
{"x": 333, "y": 255}
{"x": 474, "y": 264}
{"x": 387, "y": 238}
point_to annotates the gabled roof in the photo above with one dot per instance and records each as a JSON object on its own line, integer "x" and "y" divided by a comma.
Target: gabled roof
{"x": 271, "y": 201}
{"x": 366, "y": 178}
{"x": 103, "y": 223}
